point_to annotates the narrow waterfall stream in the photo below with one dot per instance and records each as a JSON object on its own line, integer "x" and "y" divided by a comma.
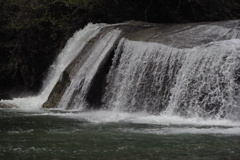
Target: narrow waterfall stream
{"x": 82, "y": 80}
{"x": 67, "y": 55}
{"x": 134, "y": 91}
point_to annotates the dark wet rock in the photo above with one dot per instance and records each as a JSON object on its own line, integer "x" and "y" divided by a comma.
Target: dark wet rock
{"x": 57, "y": 92}
{"x": 3, "y": 105}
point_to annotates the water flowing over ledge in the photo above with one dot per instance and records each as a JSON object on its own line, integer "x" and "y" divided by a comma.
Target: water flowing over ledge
{"x": 188, "y": 70}
{"x": 67, "y": 55}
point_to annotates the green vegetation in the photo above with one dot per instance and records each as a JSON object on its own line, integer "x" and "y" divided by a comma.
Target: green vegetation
{"x": 32, "y": 32}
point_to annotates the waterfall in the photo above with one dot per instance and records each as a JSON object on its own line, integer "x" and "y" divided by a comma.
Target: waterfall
{"x": 196, "y": 75}
{"x": 208, "y": 82}
{"x": 201, "y": 81}
{"x": 142, "y": 75}
{"x": 75, "y": 94}
{"x": 185, "y": 70}
{"x": 67, "y": 55}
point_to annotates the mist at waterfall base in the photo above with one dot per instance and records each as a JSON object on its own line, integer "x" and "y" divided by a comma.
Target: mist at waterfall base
{"x": 196, "y": 114}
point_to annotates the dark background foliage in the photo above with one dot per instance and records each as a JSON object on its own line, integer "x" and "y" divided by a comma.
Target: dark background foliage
{"x": 33, "y": 32}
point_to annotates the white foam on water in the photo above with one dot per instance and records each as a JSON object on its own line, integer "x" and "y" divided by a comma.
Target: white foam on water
{"x": 185, "y": 130}
{"x": 157, "y": 124}
{"x": 104, "y": 116}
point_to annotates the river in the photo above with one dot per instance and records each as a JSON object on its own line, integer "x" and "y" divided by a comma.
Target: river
{"x": 60, "y": 135}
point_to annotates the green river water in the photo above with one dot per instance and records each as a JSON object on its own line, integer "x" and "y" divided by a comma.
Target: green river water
{"x": 64, "y": 136}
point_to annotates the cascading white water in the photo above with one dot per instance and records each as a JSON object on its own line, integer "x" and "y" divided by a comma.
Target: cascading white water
{"x": 208, "y": 83}
{"x": 188, "y": 81}
{"x": 67, "y": 55}
{"x": 141, "y": 76}
{"x": 197, "y": 81}
{"x": 75, "y": 94}
{"x": 202, "y": 81}
{"x": 191, "y": 72}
